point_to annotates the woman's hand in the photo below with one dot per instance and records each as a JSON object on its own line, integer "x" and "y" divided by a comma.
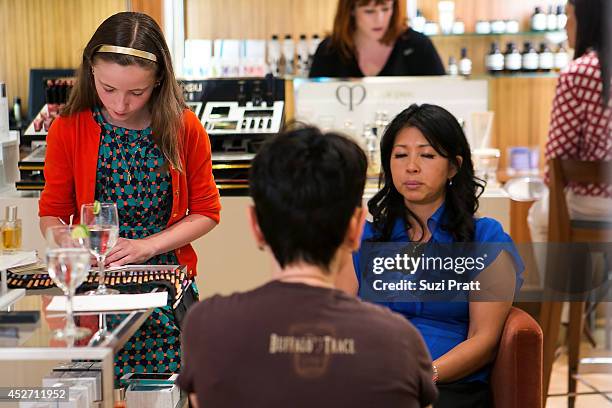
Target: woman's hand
{"x": 130, "y": 251}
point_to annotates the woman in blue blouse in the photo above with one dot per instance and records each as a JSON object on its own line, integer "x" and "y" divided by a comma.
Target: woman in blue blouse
{"x": 430, "y": 194}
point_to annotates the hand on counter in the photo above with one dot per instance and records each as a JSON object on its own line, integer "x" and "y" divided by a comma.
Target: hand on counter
{"x": 129, "y": 251}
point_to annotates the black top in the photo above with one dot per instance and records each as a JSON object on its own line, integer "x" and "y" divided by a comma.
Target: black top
{"x": 413, "y": 54}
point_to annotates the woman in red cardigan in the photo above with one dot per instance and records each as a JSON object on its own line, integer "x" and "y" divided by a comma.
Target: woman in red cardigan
{"x": 126, "y": 136}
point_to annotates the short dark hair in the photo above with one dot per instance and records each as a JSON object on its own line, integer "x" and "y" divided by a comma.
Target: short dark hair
{"x": 593, "y": 32}
{"x": 445, "y": 135}
{"x": 306, "y": 186}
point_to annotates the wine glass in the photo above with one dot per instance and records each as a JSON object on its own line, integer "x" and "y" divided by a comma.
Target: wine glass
{"x": 68, "y": 263}
{"x": 102, "y": 221}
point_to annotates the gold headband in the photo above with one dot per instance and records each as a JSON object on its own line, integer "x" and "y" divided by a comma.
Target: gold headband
{"x": 128, "y": 51}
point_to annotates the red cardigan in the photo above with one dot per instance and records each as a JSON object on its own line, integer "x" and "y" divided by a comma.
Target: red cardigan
{"x": 71, "y": 164}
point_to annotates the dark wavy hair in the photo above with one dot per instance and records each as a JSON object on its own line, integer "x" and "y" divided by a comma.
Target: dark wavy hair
{"x": 593, "y": 31}
{"x": 445, "y": 135}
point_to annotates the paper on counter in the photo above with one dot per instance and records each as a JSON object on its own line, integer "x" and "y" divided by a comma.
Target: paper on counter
{"x": 17, "y": 258}
{"x": 106, "y": 303}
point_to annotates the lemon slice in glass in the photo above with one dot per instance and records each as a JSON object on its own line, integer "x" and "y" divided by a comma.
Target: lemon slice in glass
{"x": 96, "y": 207}
{"x": 80, "y": 231}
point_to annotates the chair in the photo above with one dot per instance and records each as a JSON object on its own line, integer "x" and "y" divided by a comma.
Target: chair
{"x": 516, "y": 376}
{"x": 562, "y": 230}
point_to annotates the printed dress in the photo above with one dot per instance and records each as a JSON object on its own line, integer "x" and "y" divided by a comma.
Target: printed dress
{"x": 132, "y": 173}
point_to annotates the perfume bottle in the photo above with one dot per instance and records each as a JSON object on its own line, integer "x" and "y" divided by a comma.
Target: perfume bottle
{"x": 274, "y": 56}
{"x": 512, "y": 59}
{"x": 453, "y": 69}
{"x": 288, "y": 51}
{"x": 539, "y": 20}
{"x": 551, "y": 19}
{"x": 495, "y": 60}
{"x": 302, "y": 56}
{"x": 561, "y": 18}
{"x": 546, "y": 60}
{"x": 561, "y": 58}
{"x": 465, "y": 64}
{"x": 11, "y": 230}
{"x": 530, "y": 58}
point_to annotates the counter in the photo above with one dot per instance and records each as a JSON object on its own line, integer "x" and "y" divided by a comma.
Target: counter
{"x": 228, "y": 259}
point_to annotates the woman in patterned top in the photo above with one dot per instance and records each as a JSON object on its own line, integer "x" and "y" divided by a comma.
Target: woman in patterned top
{"x": 127, "y": 137}
{"x": 581, "y": 120}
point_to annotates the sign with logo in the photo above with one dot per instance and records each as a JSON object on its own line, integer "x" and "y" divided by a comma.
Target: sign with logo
{"x": 338, "y": 105}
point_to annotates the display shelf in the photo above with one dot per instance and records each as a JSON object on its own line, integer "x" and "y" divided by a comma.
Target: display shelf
{"x": 519, "y": 34}
{"x": 35, "y": 351}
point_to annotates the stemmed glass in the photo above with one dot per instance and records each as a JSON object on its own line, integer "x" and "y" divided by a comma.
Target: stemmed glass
{"x": 68, "y": 263}
{"x": 102, "y": 221}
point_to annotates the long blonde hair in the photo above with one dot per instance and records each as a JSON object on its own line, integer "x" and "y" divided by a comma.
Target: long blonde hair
{"x": 141, "y": 32}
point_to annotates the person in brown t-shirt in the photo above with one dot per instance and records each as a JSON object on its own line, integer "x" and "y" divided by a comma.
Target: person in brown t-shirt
{"x": 297, "y": 341}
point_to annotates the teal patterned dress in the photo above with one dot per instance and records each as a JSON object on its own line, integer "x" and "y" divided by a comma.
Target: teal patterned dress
{"x": 131, "y": 173}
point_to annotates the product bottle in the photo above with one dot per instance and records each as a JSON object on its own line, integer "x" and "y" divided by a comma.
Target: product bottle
{"x": 561, "y": 18}
{"x": 418, "y": 23}
{"x": 312, "y": 49}
{"x": 546, "y": 60}
{"x": 538, "y": 20}
{"x": 465, "y": 64}
{"x": 11, "y": 229}
{"x": 551, "y": 19}
{"x": 17, "y": 111}
{"x": 4, "y": 112}
{"x": 530, "y": 58}
{"x": 495, "y": 60}
{"x": 288, "y": 54}
{"x": 274, "y": 56}
{"x": 512, "y": 59}
{"x": 453, "y": 69}
{"x": 371, "y": 143}
{"x": 302, "y": 55}
{"x": 561, "y": 58}
{"x": 314, "y": 44}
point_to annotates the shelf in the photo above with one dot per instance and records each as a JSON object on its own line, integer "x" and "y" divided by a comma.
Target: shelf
{"x": 559, "y": 34}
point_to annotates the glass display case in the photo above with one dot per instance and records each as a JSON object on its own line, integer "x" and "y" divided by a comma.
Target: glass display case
{"x": 30, "y": 355}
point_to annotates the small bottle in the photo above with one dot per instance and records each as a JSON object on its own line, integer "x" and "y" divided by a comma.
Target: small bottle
{"x": 495, "y": 60}
{"x": 4, "y": 113}
{"x": 381, "y": 120}
{"x": 561, "y": 58}
{"x": 274, "y": 56}
{"x": 512, "y": 59}
{"x": 561, "y": 17}
{"x": 302, "y": 56}
{"x": 11, "y": 229}
{"x": 538, "y": 20}
{"x": 453, "y": 69}
{"x": 530, "y": 58}
{"x": 288, "y": 54}
{"x": 546, "y": 59}
{"x": 17, "y": 111}
{"x": 314, "y": 45}
{"x": 465, "y": 64}
{"x": 371, "y": 149}
{"x": 418, "y": 23}
{"x": 551, "y": 19}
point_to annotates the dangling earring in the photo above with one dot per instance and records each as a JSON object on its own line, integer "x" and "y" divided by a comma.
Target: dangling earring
{"x": 450, "y": 182}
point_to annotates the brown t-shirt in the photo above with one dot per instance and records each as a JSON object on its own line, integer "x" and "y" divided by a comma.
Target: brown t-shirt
{"x": 294, "y": 345}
